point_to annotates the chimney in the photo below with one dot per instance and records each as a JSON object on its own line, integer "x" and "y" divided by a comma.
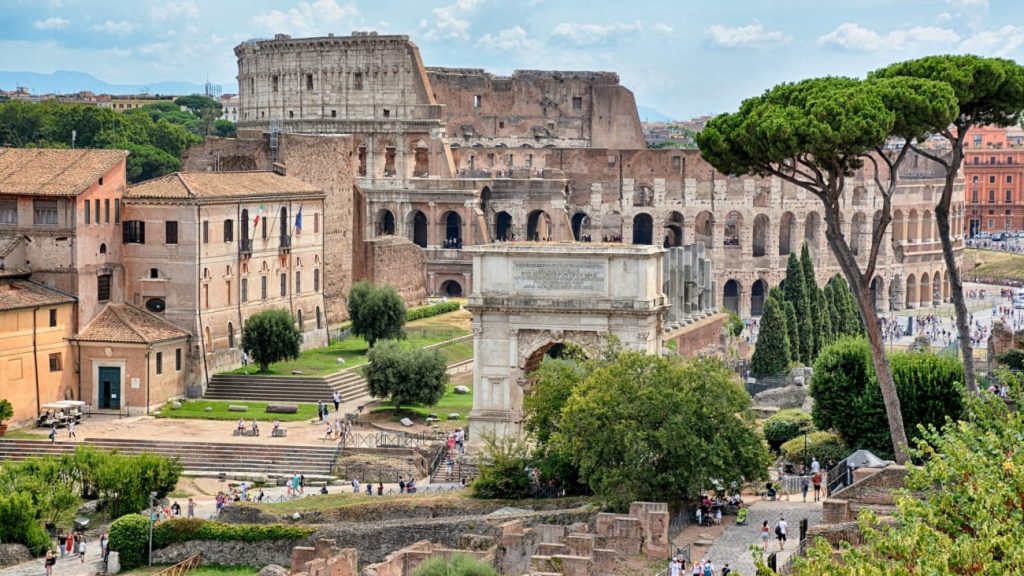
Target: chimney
{"x": 280, "y": 169}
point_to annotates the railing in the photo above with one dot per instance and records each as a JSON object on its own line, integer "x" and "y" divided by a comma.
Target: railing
{"x": 393, "y": 440}
{"x": 839, "y": 477}
{"x": 245, "y": 247}
{"x": 182, "y": 567}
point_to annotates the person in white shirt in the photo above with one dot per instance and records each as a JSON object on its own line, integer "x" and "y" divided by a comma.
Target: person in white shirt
{"x": 815, "y": 466}
{"x": 780, "y": 530}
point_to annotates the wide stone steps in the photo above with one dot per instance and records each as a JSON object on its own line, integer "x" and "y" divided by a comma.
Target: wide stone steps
{"x": 199, "y": 457}
{"x": 350, "y": 383}
{"x": 440, "y": 475}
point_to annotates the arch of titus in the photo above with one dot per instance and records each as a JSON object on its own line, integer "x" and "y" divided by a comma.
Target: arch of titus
{"x": 528, "y": 297}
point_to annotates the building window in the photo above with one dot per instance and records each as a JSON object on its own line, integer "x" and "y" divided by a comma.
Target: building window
{"x": 206, "y": 231}
{"x": 156, "y": 305}
{"x": 334, "y": 113}
{"x": 991, "y": 179}
{"x": 291, "y": 114}
{"x": 357, "y": 81}
{"x": 101, "y": 180}
{"x": 319, "y": 319}
{"x": 298, "y": 281}
{"x": 53, "y": 318}
{"x": 991, "y": 159}
{"x": 309, "y": 81}
{"x": 56, "y": 362}
{"x": 974, "y": 179}
{"x": 96, "y": 209}
{"x": 88, "y": 211}
{"x": 263, "y": 287}
{"x": 977, "y": 140}
{"x": 159, "y": 363}
{"x": 103, "y": 288}
{"x": 245, "y": 290}
{"x": 117, "y": 210}
{"x": 9, "y": 211}
{"x": 263, "y": 230}
{"x": 206, "y": 296}
{"x": 974, "y": 196}
{"x": 1009, "y": 196}
{"x": 229, "y": 230}
{"x": 134, "y": 232}
{"x": 106, "y": 211}
{"x": 154, "y": 273}
{"x": 976, "y": 160}
{"x": 284, "y": 284}
{"x": 103, "y": 248}
{"x": 273, "y": 83}
{"x": 501, "y": 125}
{"x": 171, "y": 232}
{"x": 1009, "y": 159}
{"x": 577, "y": 103}
{"x": 177, "y": 359}
{"x": 228, "y": 286}
{"x": 316, "y": 280}
{"x": 316, "y": 222}
{"x": 231, "y": 335}
{"x": 991, "y": 196}
{"x": 476, "y": 101}
{"x": 1009, "y": 179}
{"x": 387, "y": 113}
{"x": 46, "y": 212}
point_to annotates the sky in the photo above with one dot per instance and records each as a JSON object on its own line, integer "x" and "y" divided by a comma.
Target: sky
{"x": 682, "y": 57}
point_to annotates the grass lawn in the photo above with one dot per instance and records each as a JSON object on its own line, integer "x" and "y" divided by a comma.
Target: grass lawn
{"x": 26, "y": 434}
{"x": 457, "y": 351}
{"x": 993, "y": 264}
{"x": 345, "y": 499}
{"x": 196, "y": 410}
{"x": 449, "y": 403}
{"x": 323, "y": 361}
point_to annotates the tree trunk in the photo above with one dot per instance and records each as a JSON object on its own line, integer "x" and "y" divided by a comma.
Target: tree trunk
{"x": 860, "y": 287}
{"x": 956, "y": 289}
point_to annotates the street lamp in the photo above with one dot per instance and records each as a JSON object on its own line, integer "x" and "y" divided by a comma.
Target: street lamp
{"x": 152, "y": 504}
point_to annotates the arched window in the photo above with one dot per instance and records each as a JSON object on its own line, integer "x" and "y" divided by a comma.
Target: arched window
{"x": 298, "y": 320}
{"x": 103, "y": 248}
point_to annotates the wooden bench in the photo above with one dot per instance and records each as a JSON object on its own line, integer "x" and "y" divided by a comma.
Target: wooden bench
{"x": 279, "y": 433}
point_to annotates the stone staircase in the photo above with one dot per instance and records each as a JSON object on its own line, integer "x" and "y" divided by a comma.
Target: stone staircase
{"x": 350, "y": 383}
{"x": 200, "y": 458}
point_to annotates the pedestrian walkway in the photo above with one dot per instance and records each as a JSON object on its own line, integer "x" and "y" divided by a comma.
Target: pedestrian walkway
{"x": 733, "y": 545}
{"x": 67, "y": 566}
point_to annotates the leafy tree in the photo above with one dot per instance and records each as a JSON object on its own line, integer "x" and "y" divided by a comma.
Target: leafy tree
{"x": 772, "y": 353}
{"x": 827, "y": 447}
{"x": 847, "y": 398}
{"x": 815, "y": 134}
{"x": 793, "y": 327}
{"x": 406, "y": 375}
{"x": 553, "y": 383}
{"x": 18, "y": 523}
{"x": 735, "y": 324}
{"x": 785, "y": 425}
{"x": 643, "y": 427}
{"x": 457, "y": 565}
{"x": 6, "y": 410}
{"x": 377, "y": 313}
{"x": 225, "y": 128}
{"x": 988, "y": 91}
{"x": 128, "y": 537}
{"x": 503, "y": 466}
{"x": 271, "y": 336}
{"x": 145, "y": 162}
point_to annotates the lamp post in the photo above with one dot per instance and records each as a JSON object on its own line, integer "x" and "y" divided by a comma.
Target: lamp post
{"x": 152, "y": 503}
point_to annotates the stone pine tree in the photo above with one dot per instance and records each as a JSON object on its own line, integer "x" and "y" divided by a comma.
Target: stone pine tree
{"x": 988, "y": 91}
{"x": 796, "y": 293}
{"x": 811, "y": 288}
{"x": 817, "y": 133}
{"x": 793, "y": 327}
{"x": 771, "y": 354}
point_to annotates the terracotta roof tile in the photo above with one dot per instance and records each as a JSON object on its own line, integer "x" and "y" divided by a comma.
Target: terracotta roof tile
{"x": 128, "y": 324}
{"x": 219, "y": 185}
{"x": 20, "y": 293}
{"x": 53, "y": 172}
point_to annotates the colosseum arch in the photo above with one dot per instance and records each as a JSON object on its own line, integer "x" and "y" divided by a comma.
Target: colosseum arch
{"x": 731, "y": 296}
{"x": 760, "y": 240}
{"x": 674, "y": 230}
{"x": 911, "y": 291}
{"x": 876, "y": 221}
{"x": 361, "y": 155}
{"x": 503, "y": 227}
{"x": 416, "y": 225}
{"x": 451, "y": 288}
{"x": 878, "y": 294}
{"x": 704, "y": 229}
{"x": 732, "y": 229}
{"x": 384, "y": 223}
{"x": 925, "y": 297}
{"x": 787, "y": 233}
{"x": 899, "y": 227}
{"x": 927, "y": 226}
{"x": 388, "y": 151}
{"x": 858, "y": 234}
{"x": 580, "y": 225}
{"x": 538, "y": 226}
{"x": 945, "y": 286}
{"x": 420, "y": 154}
{"x": 451, "y": 224}
{"x": 643, "y": 229}
{"x": 894, "y": 294}
{"x": 812, "y": 234}
{"x": 757, "y": 293}
{"x": 913, "y": 226}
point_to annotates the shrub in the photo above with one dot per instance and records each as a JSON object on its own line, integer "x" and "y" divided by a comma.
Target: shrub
{"x": 18, "y": 523}
{"x": 432, "y": 310}
{"x": 406, "y": 375}
{"x": 6, "y": 410}
{"x": 735, "y": 324}
{"x": 377, "y": 312}
{"x": 185, "y": 529}
{"x": 129, "y": 536}
{"x": 827, "y": 447}
{"x": 1012, "y": 359}
{"x": 459, "y": 565}
{"x": 786, "y": 425}
{"x": 503, "y": 465}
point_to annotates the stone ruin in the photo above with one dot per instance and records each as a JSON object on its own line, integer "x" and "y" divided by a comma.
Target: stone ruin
{"x": 689, "y": 285}
{"x": 1002, "y": 340}
{"x": 542, "y": 550}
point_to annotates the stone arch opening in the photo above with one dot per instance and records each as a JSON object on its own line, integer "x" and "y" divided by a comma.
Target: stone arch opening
{"x": 945, "y": 286}
{"x": 538, "y": 226}
{"x": 704, "y": 229}
{"x": 731, "y": 296}
{"x": 452, "y": 222}
{"x": 733, "y": 225}
{"x": 580, "y": 226}
{"x": 643, "y": 229}
{"x": 503, "y": 227}
{"x": 417, "y": 226}
{"x": 926, "y": 226}
{"x": 451, "y": 288}
{"x": 385, "y": 222}
{"x": 760, "y": 240}
{"x": 421, "y": 159}
{"x": 878, "y": 293}
{"x": 485, "y": 199}
{"x": 925, "y": 297}
{"x": 362, "y": 160}
{"x": 894, "y": 293}
{"x": 787, "y": 233}
{"x": 911, "y": 291}
{"x": 858, "y": 234}
{"x": 913, "y": 223}
{"x": 860, "y": 196}
{"x": 812, "y": 234}
{"x": 757, "y": 292}
{"x": 566, "y": 349}
{"x": 899, "y": 227}
{"x": 674, "y": 230}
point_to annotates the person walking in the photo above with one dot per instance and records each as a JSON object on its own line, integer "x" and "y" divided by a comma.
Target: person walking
{"x": 49, "y": 562}
{"x": 81, "y": 550}
{"x": 320, "y": 410}
{"x": 71, "y": 429}
{"x": 816, "y": 480}
{"x": 191, "y": 508}
{"x": 780, "y": 532}
{"x": 337, "y": 400}
{"x": 804, "y": 485}
{"x": 764, "y": 535}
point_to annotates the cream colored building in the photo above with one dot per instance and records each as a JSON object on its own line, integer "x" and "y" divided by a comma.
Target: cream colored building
{"x": 207, "y": 250}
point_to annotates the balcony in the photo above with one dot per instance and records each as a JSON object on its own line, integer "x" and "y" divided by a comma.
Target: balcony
{"x": 245, "y": 248}
{"x": 285, "y": 243}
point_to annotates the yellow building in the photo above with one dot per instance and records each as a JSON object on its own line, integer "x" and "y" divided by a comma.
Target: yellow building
{"x": 36, "y": 366}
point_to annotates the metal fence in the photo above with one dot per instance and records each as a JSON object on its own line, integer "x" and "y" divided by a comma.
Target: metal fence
{"x": 393, "y": 440}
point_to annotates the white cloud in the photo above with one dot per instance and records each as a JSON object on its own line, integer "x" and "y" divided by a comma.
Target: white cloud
{"x": 591, "y": 34}
{"x": 54, "y": 23}
{"x": 944, "y": 17}
{"x": 663, "y": 28}
{"x": 120, "y": 27}
{"x": 749, "y": 36}
{"x": 449, "y": 22}
{"x": 513, "y": 39}
{"x": 1005, "y": 41}
{"x": 969, "y": 4}
{"x": 160, "y": 10}
{"x": 850, "y": 36}
{"x": 310, "y": 18}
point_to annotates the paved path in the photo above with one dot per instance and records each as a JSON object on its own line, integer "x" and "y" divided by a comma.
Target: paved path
{"x": 733, "y": 546}
{"x": 67, "y": 566}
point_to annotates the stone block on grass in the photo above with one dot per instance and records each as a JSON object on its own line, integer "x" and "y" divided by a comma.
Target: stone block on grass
{"x": 461, "y": 390}
{"x": 237, "y": 408}
{"x": 454, "y": 416}
{"x": 208, "y": 409}
{"x": 282, "y": 408}
{"x": 175, "y": 405}
{"x": 406, "y": 422}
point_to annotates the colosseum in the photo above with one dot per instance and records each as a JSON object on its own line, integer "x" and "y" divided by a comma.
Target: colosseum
{"x": 446, "y": 158}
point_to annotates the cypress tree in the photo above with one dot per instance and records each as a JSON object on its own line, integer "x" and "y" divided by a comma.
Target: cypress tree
{"x": 794, "y": 331}
{"x": 811, "y": 288}
{"x": 825, "y": 335}
{"x": 796, "y": 293}
{"x": 772, "y": 353}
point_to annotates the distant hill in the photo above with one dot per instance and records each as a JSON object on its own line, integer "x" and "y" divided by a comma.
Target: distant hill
{"x": 648, "y": 114}
{"x": 67, "y": 81}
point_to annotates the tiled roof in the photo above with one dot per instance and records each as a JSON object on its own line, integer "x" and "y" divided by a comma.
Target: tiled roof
{"x": 126, "y": 323}
{"x": 20, "y": 293}
{"x": 219, "y": 185}
{"x": 53, "y": 172}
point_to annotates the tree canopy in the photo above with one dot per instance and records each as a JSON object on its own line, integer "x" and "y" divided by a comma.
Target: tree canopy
{"x": 406, "y": 375}
{"x": 376, "y": 312}
{"x": 271, "y": 336}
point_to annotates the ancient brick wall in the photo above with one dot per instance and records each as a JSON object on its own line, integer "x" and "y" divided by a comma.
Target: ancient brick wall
{"x": 400, "y": 263}
{"x": 701, "y": 337}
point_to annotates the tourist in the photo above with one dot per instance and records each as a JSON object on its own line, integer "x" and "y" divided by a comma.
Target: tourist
{"x": 241, "y": 427}
{"x": 718, "y": 516}
{"x": 369, "y": 489}
{"x": 53, "y": 433}
{"x": 71, "y": 429}
{"x": 355, "y": 486}
{"x": 328, "y": 432}
{"x": 302, "y": 483}
{"x": 104, "y": 540}
{"x": 61, "y": 540}
{"x": 816, "y": 480}
{"x": 815, "y": 466}
{"x": 804, "y": 486}
{"x": 260, "y": 497}
{"x": 449, "y": 465}
{"x": 220, "y": 500}
{"x": 255, "y": 428}
{"x": 320, "y": 410}
{"x": 709, "y": 568}
{"x": 49, "y": 562}
{"x": 780, "y": 532}
{"x": 401, "y": 485}
{"x": 460, "y": 438}
{"x": 277, "y": 426}
{"x": 726, "y": 570}
{"x": 673, "y": 567}
{"x": 191, "y": 506}
{"x": 81, "y": 551}
{"x": 244, "y": 486}
{"x": 380, "y": 489}
{"x": 337, "y": 400}
{"x": 764, "y": 535}
{"x": 69, "y": 545}
{"x": 176, "y": 509}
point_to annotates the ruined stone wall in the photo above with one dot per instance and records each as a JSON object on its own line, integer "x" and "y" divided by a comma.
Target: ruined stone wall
{"x": 229, "y": 553}
{"x": 400, "y": 263}
{"x": 701, "y": 337}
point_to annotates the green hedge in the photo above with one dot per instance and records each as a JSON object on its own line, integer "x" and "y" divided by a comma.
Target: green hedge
{"x": 129, "y": 536}
{"x": 185, "y": 529}
{"x": 785, "y": 425}
{"x": 432, "y": 310}
{"x": 827, "y": 447}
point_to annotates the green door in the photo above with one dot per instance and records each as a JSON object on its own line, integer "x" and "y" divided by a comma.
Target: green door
{"x": 110, "y": 388}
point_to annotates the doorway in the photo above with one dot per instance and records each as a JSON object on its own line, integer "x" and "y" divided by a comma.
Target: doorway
{"x": 110, "y": 388}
